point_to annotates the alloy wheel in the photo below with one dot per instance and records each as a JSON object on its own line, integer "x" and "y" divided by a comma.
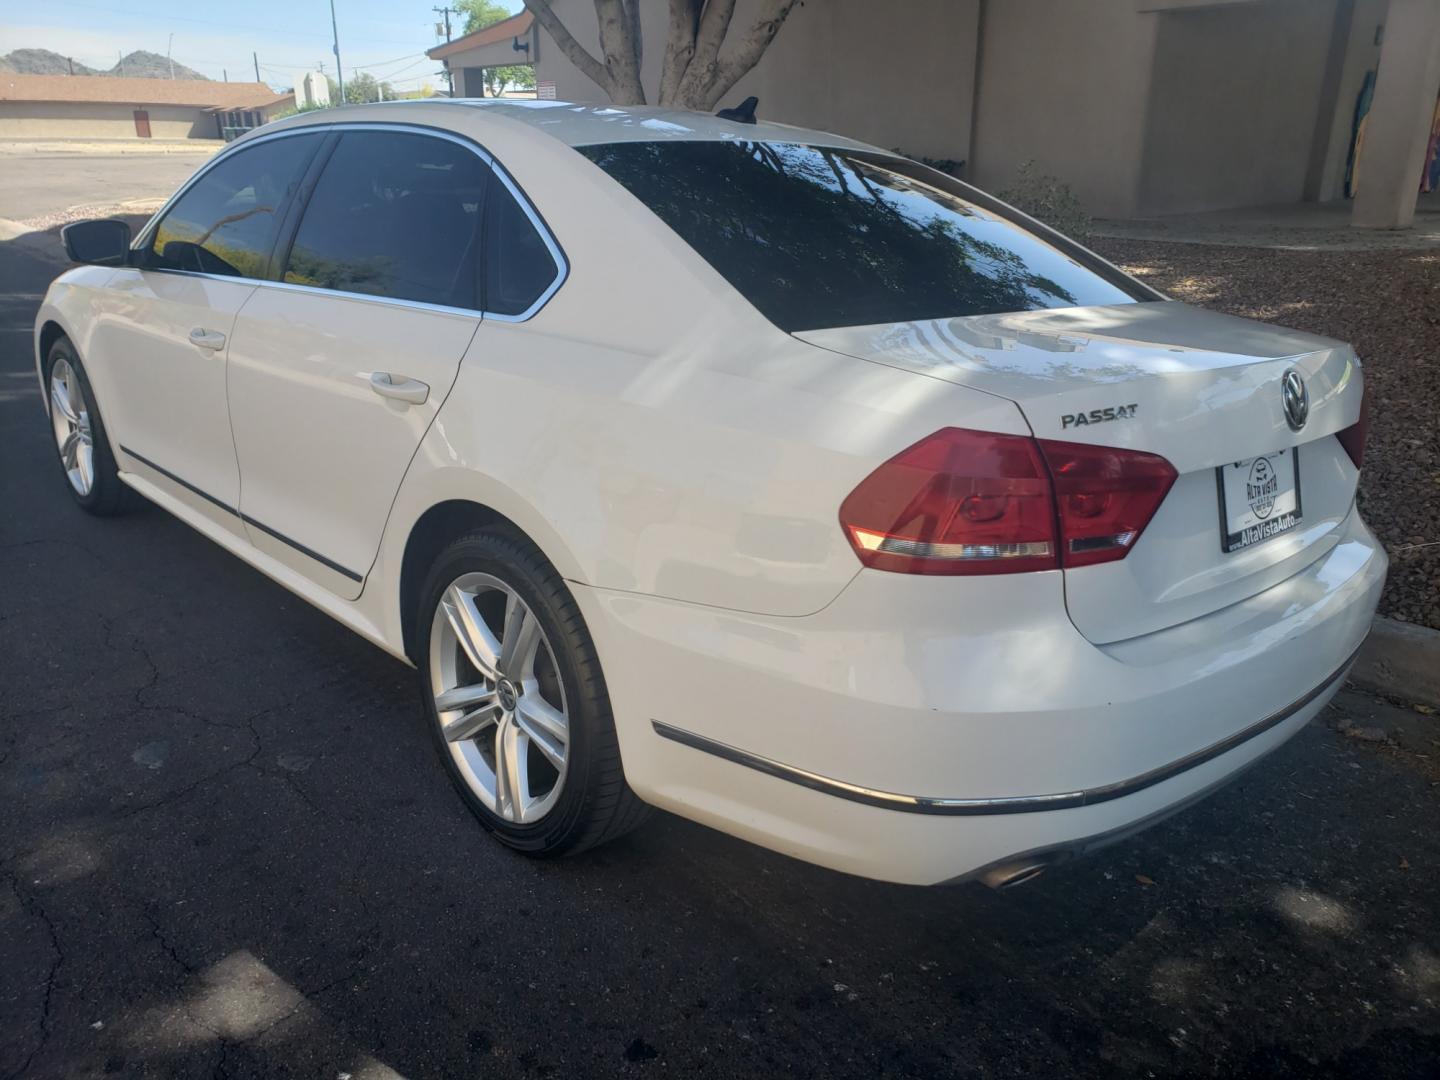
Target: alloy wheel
{"x": 70, "y": 417}
{"x": 499, "y": 698}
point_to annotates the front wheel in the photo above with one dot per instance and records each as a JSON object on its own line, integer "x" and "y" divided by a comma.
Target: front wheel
{"x": 516, "y": 699}
{"x": 80, "y": 439}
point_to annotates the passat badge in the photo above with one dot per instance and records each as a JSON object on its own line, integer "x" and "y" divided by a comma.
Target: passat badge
{"x": 1295, "y": 398}
{"x": 1099, "y": 416}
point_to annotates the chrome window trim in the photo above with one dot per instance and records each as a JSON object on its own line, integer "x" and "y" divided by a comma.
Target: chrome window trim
{"x": 557, "y": 253}
{"x": 562, "y": 264}
{"x": 390, "y": 301}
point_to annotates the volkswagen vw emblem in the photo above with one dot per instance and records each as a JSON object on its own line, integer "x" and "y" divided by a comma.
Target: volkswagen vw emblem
{"x": 508, "y": 695}
{"x": 1295, "y": 398}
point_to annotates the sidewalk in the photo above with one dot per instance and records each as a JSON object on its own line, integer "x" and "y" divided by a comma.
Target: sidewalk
{"x": 110, "y": 146}
{"x": 1289, "y": 226}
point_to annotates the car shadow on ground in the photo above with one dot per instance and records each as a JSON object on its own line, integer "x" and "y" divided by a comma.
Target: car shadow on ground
{"x": 229, "y": 850}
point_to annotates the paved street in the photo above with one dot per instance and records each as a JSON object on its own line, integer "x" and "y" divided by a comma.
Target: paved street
{"x": 228, "y": 850}
{"x": 40, "y": 183}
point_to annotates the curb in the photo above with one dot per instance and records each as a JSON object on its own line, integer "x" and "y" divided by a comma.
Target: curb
{"x": 1400, "y": 660}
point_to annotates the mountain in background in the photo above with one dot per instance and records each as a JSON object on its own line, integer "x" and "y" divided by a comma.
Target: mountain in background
{"x": 138, "y": 65}
{"x": 148, "y": 65}
{"x": 41, "y": 62}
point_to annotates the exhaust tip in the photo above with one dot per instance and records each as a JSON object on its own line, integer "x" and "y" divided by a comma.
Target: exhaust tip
{"x": 1009, "y": 875}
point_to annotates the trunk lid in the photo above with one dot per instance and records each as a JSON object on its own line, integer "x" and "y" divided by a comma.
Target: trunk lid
{"x": 1201, "y": 389}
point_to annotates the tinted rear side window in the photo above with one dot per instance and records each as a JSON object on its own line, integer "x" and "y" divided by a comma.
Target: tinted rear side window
{"x": 397, "y": 215}
{"x": 226, "y": 223}
{"x": 518, "y": 265}
{"x": 816, "y": 237}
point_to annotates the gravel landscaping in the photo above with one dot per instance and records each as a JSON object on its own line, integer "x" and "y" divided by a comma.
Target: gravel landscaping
{"x": 1386, "y": 304}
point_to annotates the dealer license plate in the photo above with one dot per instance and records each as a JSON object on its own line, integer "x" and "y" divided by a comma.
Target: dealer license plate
{"x": 1259, "y": 498}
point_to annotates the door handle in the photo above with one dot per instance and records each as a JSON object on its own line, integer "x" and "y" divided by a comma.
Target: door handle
{"x": 401, "y": 389}
{"x": 207, "y": 339}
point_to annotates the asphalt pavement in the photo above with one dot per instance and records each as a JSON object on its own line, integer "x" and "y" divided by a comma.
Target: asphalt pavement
{"x": 227, "y": 850}
{"x": 36, "y": 183}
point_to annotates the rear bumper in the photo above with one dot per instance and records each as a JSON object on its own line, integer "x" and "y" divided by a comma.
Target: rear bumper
{"x": 920, "y": 732}
{"x": 946, "y": 806}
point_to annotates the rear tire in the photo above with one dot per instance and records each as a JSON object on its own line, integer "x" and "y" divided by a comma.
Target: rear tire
{"x": 81, "y": 443}
{"x": 531, "y": 745}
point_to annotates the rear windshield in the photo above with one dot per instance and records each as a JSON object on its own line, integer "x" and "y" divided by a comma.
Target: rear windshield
{"x": 816, "y": 237}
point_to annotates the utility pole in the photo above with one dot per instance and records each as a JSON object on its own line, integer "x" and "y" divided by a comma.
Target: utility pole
{"x": 446, "y": 12}
{"x": 121, "y": 58}
{"x": 71, "y": 61}
{"x": 339, "y": 68}
{"x": 225, "y": 74}
{"x": 256, "y": 57}
{"x": 168, "y": 45}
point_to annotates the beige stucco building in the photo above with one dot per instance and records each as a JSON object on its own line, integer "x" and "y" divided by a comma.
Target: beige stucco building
{"x": 1142, "y": 106}
{"x": 109, "y": 107}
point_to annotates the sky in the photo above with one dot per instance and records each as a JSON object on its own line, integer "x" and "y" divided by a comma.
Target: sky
{"x": 387, "y": 38}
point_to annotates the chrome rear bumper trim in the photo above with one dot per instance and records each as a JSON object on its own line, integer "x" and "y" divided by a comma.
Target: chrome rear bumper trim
{"x": 1016, "y": 804}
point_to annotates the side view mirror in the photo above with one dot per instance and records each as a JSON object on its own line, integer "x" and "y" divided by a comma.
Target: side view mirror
{"x": 102, "y": 243}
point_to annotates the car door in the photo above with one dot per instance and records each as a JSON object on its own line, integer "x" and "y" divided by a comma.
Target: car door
{"x": 338, "y": 368}
{"x": 160, "y": 343}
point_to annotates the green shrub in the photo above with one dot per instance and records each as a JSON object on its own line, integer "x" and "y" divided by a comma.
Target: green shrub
{"x": 1049, "y": 200}
{"x": 945, "y": 165}
{"x": 297, "y": 111}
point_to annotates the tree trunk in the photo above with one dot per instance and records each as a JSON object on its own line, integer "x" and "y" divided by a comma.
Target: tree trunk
{"x": 697, "y": 71}
{"x": 679, "y": 47}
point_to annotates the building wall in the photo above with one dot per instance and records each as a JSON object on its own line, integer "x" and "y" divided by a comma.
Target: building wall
{"x": 1141, "y": 106}
{"x": 1066, "y": 85}
{"x": 1234, "y": 101}
{"x": 86, "y": 120}
{"x": 898, "y": 75}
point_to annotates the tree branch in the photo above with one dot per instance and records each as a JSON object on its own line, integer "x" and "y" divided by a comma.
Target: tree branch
{"x": 709, "y": 36}
{"x": 618, "y": 44}
{"x": 679, "y": 47}
{"x": 746, "y": 54}
{"x": 591, "y": 68}
{"x": 637, "y": 33}
{"x": 714, "y": 25}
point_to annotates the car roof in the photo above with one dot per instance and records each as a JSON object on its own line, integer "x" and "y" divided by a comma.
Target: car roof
{"x": 578, "y": 124}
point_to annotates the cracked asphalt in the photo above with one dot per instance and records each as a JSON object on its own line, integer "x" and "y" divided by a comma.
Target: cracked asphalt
{"x": 228, "y": 851}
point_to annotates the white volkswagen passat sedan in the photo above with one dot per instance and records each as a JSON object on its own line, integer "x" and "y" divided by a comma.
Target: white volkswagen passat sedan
{"x": 741, "y": 470}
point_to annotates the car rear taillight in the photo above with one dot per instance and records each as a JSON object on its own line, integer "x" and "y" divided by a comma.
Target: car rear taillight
{"x": 1353, "y": 437}
{"x": 958, "y": 502}
{"x": 1105, "y": 497}
{"x": 976, "y": 502}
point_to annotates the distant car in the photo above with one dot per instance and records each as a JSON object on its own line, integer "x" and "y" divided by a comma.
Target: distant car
{"x": 732, "y": 468}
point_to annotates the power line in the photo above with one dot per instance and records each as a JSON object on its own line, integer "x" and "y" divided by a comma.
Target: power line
{"x": 401, "y": 71}
{"x": 382, "y": 63}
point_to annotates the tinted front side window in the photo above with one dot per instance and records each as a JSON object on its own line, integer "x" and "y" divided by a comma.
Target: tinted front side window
{"x": 226, "y": 223}
{"x": 518, "y": 265}
{"x": 816, "y": 237}
{"x": 397, "y": 215}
